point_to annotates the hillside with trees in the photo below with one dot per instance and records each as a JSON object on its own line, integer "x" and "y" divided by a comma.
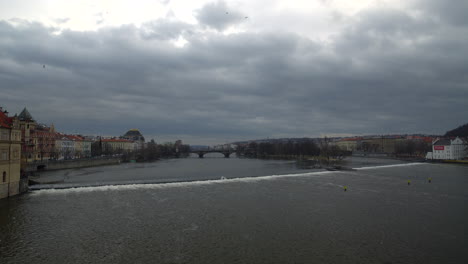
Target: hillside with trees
{"x": 290, "y": 149}
{"x": 461, "y": 131}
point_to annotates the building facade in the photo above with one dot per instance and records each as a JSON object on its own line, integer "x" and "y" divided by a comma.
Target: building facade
{"x": 10, "y": 154}
{"x": 86, "y": 147}
{"x": 116, "y": 145}
{"x": 135, "y": 136}
{"x": 347, "y": 144}
{"x": 447, "y": 149}
{"x": 65, "y": 147}
{"x": 45, "y": 138}
{"x": 28, "y": 138}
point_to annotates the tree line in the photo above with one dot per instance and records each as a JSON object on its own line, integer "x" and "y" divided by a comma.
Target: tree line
{"x": 290, "y": 149}
{"x": 412, "y": 148}
{"x": 461, "y": 131}
{"x": 150, "y": 151}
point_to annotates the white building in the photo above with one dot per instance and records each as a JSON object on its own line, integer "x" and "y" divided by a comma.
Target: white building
{"x": 446, "y": 149}
{"x": 65, "y": 147}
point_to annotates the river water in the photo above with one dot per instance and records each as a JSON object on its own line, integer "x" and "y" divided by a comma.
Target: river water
{"x": 263, "y": 212}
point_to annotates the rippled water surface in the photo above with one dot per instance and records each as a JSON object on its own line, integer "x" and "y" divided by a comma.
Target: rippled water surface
{"x": 302, "y": 217}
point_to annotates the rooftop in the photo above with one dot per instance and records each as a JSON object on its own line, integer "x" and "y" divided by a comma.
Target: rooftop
{"x": 25, "y": 115}
{"x": 442, "y": 142}
{"x": 5, "y": 120}
{"x": 133, "y": 132}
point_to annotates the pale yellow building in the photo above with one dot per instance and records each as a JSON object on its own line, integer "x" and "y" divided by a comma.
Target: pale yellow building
{"x": 10, "y": 155}
{"x": 117, "y": 145}
{"x": 347, "y": 144}
{"x": 380, "y": 144}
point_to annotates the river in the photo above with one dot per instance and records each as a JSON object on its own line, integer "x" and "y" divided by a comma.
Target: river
{"x": 261, "y": 211}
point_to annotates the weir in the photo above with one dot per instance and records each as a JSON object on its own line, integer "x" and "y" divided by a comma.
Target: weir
{"x": 151, "y": 184}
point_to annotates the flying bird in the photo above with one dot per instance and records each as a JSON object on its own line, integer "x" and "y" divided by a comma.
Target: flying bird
{"x": 246, "y": 17}
{"x": 43, "y": 66}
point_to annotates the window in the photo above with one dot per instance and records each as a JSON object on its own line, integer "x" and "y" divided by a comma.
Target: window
{"x": 4, "y": 134}
{"x": 4, "y": 176}
{"x": 4, "y": 155}
{"x": 16, "y": 153}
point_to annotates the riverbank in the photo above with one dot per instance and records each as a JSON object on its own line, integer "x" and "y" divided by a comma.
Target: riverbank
{"x": 49, "y": 165}
{"x": 460, "y": 162}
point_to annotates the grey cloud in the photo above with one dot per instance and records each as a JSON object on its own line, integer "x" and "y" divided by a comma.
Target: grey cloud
{"x": 387, "y": 71}
{"x": 218, "y": 15}
{"x": 162, "y": 29}
{"x": 454, "y": 11}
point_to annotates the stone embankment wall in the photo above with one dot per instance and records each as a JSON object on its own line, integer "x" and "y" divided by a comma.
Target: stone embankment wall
{"x": 23, "y": 185}
{"x": 3, "y": 190}
{"x": 69, "y": 164}
{"x": 9, "y": 189}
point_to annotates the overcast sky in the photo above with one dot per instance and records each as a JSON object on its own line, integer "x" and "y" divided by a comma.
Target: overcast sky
{"x": 212, "y": 72}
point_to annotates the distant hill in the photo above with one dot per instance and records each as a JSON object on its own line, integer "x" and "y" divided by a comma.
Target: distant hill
{"x": 461, "y": 131}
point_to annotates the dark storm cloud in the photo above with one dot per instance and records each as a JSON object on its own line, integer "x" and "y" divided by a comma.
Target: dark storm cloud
{"x": 387, "y": 71}
{"x": 218, "y": 15}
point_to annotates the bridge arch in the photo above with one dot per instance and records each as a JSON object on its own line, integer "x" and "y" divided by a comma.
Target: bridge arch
{"x": 201, "y": 153}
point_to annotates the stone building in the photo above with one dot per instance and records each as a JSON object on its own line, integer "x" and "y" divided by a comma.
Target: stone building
{"x": 347, "y": 144}
{"x": 10, "y": 154}
{"x": 116, "y": 145}
{"x": 135, "y": 136}
{"x": 28, "y": 139}
{"x": 379, "y": 144}
{"x": 45, "y": 137}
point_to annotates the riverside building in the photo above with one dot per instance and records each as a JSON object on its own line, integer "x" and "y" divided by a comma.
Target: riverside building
{"x": 28, "y": 137}
{"x": 117, "y": 145}
{"x": 10, "y": 151}
{"x": 135, "y": 136}
{"x": 448, "y": 149}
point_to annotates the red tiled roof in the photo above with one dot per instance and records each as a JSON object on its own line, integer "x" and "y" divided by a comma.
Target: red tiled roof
{"x": 5, "y": 121}
{"x": 43, "y": 133}
{"x": 69, "y": 137}
{"x": 73, "y": 137}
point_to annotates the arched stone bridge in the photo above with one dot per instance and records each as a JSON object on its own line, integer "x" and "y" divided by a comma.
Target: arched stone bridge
{"x": 201, "y": 153}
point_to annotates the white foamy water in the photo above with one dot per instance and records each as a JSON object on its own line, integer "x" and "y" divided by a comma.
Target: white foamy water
{"x": 222, "y": 180}
{"x": 390, "y": 166}
{"x": 173, "y": 184}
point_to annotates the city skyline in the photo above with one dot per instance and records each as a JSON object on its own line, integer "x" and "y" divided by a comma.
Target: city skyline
{"x": 213, "y": 72}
